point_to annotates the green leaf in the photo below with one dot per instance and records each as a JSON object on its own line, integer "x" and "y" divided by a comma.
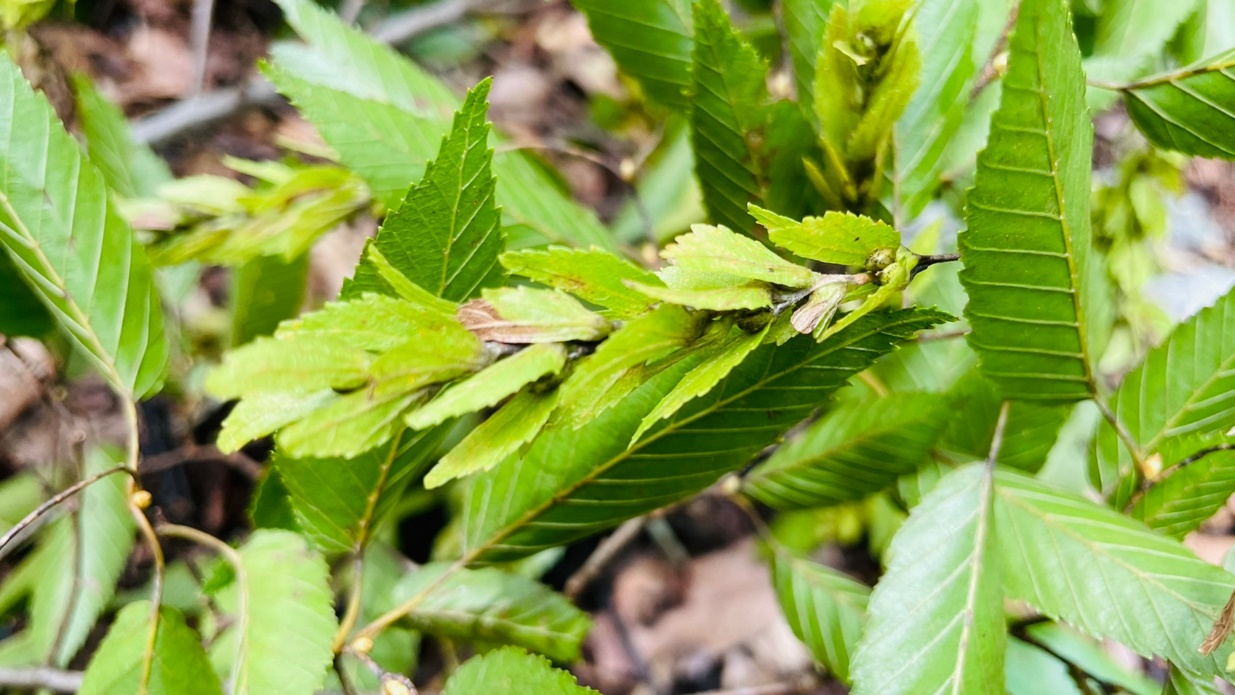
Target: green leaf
{"x": 975, "y": 414}
{"x": 716, "y": 363}
{"x": 375, "y": 275}
{"x": 372, "y": 322}
{"x": 1188, "y": 110}
{"x": 490, "y": 606}
{"x": 1132, "y": 35}
{"x": 338, "y": 501}
{"x": 527, "y": 315}
{"x": 804, "y": 22}
{"x": 842, "y": 238}
{"x": 258, "y": 415}
{"x": 1189, "y": 494}
{"x": 594, "y": 275}
{"x": 284, "y": 621}
{"x": 1037, "y": 291}
{"x": 1107, "y": 575}
{"x": 720, "y": 250}
{"x": 179, "y": 665}
{"x": 1180, "y": 682}
{"x": 825, "y": 608}
{"x": 446, "y": 234}
{"x": 63, "y": 233}
{"x": 491, "y": 385}
{"x": 289, "y": 365}
{"x": 497, "y": 438}
{"x": 511, "y": 671}
{"x": 649, "y": 39}
{"x": 754, "y": 295}
{"x": 936, "y": 617}
{"x": 598, "y": 381}
{"x": 855, "y": 450}
{"x": 385, "y": 117}
{"x": 265, "y": 291}
{"x": 1032, "y": 671}
{"x": 21, "y": 310}
{"x": 1192, "y": 379}
{"x": 130, "y": 169}
{"x": 79, "y": 562}
{"x": 358, "y": 421}
{"x": 572, "y": 483}
{"x": 945, "y": 31}
{"x": 728, "y": 111}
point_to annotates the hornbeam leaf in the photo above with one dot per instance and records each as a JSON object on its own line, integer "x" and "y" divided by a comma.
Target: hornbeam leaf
{"x": 261, "y": 414}
{"x": 1191, "y": 110}
{"x": 284, "y": 621}
{"x": 1179, "y": 682}
{"x": 289, "y": 365}
{"x": 337, "y": 501}
{"x": 715, "y": 365}
{"x": 446, "y": 234}
{"x": 1038, "y": 300}
{"x": 753, "y": 295}
{"x": 975, "y": 416}
{"x": 804, "y": 22}
{"x": 1108, "y": 575}
{"x": 649, "y": 39}
{"x": 825, "y": 608}
{"x": 860, "y": 448}
{"x": 1191, "y": 377}
{"x": 491, "y": 385}
{"x": 497, "y": 438}
{"x": 720, "y": 250}
{"x": 385, "y": 116}
{"x": 945, "y": 31}
{"x": 936, "y": 617}
{"x": 1192, "y": 492}
{"x": 373, "y": 322}
{"x": 528, "y": 315}
{"x": 491, "y": 606}
{"x": 79, "y": 564}
{"x": 838, "y": 237}
{"x": 572, "y": 483}
{"x": 512, "y": 671}
{"x": 265, "y": 291}
{"x": 728, "y": 111}
{"x": 594, "y": 275}
{"x": 130, "y": 169}
{"x": 62, "y": 231}
{"x": 179, "y": 665}
{"x": 1131, "y": 36}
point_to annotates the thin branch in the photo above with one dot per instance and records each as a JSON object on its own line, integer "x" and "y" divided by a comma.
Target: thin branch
{"x": 199, "y": 39}
{"x": 54, "y": 501}
{"x": 927, "y": 261}
{"x": 941, "y": 335}
{"x": 204, "y": 109}
{"x": 41, "y": 677}
{"x": 991, "y": 69}
{"x": 605, "y": 552}
{"x": 1174, "y": 468}
{"x": 392, "y": 683}
{"x": 138, "y": 500}
{"x": 1134, "y": 450}
{"x": 997, "y": 438}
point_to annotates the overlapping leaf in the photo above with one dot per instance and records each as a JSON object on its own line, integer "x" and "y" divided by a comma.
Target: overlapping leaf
{"x": 804, "y": 22}
{"x": 936, "y": 617}
{"x": 975, "y": 413}
{"x": 1191, "y": 110}
{"x": 264, "y": 292}
{"x": 385, "y": 116}
{"x": 837, "y": 237}
{"x": 60, "y": 228}
{"x": 129, "y": 169}
{"x": 1191, "y": 493}
{"x": 727, "y": 113}
{"x": 855, "y": 450}
{"x": 649, "y": 39}
{"x": 284, "y": 619}
{"x": 575, "y": 482}
{"x": 1184, "y": 388}
{"x": 512, "y": 671}
{"x": 594, "y": 275}
{"x": 1108, "y": 575}
{"x": 825, "y": 608}
{"x": 446, "y": 234}
{"x": 1037, "y": 298}
{"x": 945, "y": 30}
{"x": 1131, "y": 36}
{"x": 79, "y": 562}
{"x": 490, "y": 606}
{"x": 179, "y": 666}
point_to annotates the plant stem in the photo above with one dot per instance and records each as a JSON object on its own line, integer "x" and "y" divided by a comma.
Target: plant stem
{"x": 605, "y": 552}
{"x": 41, "y": 677}
{"x": 52, "y": 503}
{"x": 991, "y": 70}
{"x": 1124, "y": 435}
{"x": 138, "y": 499}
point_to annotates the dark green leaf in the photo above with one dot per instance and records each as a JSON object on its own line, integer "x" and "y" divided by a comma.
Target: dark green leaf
{"x": 1190, "y": 110}
{"x": 728, "y": 111}
{"x": 179, "y": 665}
{"x": 855, "y": 450}
{"x": 21, "y": 311}
{"x": 491, "y": 606}
{"x": 575, "y": 482}
{"x": 825, "y": 608}
{"x": 63, "y": 233}
{"x": 512, "y": 671}
{"x": 976, "y": 407}
{"x": 650, "y": 40}
{"x": 264, "y": 292}
{"x": 936, "y": 617}
{"x": 1037, "y": 292}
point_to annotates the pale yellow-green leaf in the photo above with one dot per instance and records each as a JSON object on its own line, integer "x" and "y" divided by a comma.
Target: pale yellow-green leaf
{"x": 593, "y": 274}
{"x": 720, "y": 250}
{"x": 838, "y": 237}
{"x": 497, "y": 438}
{"x": 491, "y": 384}
{"x": 273, "y": 365}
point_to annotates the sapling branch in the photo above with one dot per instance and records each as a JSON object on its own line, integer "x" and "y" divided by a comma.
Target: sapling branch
{"x": 1134, "y": 450}
{"x": 992, "y": 68}
{"x": 54, "y": 501}
{"x": 391, "y": 683}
